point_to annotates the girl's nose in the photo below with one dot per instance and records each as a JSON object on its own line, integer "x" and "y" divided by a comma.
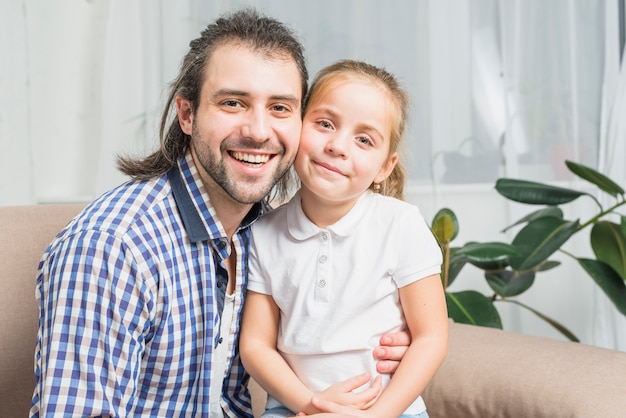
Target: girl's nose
{"x": 338, "y": 145}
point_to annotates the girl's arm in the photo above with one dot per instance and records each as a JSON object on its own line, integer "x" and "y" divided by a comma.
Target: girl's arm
{"x": 424, "y": 307}
{"x": 257, "y": 346}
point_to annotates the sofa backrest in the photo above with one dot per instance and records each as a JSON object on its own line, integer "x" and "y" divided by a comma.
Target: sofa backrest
{"x": 25, "y": 232}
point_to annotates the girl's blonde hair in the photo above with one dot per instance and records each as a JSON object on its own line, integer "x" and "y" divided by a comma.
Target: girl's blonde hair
{"x": 393, "y": 185}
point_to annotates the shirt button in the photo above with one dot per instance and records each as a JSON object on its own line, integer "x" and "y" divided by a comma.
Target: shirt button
{"x": 323, "y": 259}
{"x": 222, "y": 243}
{"x": 324, "y": 236}
{"x": 220, "y": 340}
{"x": 322, "y": 283}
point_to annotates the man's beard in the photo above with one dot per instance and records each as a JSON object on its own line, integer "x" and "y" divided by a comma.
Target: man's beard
{"x": 248, "y": 189}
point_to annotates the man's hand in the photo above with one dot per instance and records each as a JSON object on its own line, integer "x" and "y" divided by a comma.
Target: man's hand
{"x": 392, "y": 348}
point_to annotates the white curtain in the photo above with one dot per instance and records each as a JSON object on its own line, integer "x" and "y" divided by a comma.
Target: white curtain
{"x": 609, "y": 325}
{"x": 498, "y": 87}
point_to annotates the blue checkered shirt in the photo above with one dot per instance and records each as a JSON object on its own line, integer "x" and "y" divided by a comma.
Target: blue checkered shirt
{"x": 128, "y": 302}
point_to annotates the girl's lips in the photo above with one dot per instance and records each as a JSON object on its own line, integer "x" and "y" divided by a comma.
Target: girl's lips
{"x": 330, "y": 168}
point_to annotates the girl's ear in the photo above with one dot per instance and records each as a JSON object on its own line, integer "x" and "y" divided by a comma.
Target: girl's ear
{"x": 185, "y": 114}
{"x": 387, "y": 168}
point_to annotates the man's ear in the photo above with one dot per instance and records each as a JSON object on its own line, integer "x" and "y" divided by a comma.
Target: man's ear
{"x": 185, "y": 114}
{"x": 387, "y": 168}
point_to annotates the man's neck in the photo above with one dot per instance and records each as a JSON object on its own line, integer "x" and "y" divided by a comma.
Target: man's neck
{"x": 229, "y": 212}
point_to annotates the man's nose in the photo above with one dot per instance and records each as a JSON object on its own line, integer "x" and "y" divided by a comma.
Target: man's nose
{"x": 258, "y": 125}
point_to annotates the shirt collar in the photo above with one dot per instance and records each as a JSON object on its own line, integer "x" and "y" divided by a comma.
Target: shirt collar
{"x": 196, "y": 210}
{"x": 300, "y": 227}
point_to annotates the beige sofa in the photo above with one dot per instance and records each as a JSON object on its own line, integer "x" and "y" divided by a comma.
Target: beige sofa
{"x": 488, "y": 373}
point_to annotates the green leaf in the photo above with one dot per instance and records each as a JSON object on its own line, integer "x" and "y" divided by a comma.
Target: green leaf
{"x": 609, "y": 245}
{"x": 507, "y": 283}
{"x": 608, "y": 280}
{"x": 594, "y": 177}
{"x": 566, "y": 332}
{"x": 445, "y": 225}
{"x": 550, "y": 211}
{"x": 539, "y": 240}
{"x": 470, "y": 307}
{"x": 547, "y": 265}
{"x": 457, "y": 262}
{"x": 534, "y": 193}
{"x": 488, "y": 255}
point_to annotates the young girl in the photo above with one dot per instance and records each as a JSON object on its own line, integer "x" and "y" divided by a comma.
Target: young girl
{"x": 345, "y": 261}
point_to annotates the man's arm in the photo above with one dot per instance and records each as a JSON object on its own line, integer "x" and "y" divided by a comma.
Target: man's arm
{"x": 89, "y": 341}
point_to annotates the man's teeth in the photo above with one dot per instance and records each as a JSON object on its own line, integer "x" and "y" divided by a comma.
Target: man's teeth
{"x": 251, "y": 158}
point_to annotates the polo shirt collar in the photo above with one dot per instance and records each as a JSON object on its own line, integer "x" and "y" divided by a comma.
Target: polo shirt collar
{"x": 301, "y": 228}
{"x": 196, "y": 210}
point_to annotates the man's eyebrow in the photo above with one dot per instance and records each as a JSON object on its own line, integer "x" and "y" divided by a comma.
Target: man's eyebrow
{"x": 240, "y": 93}
{"x": 229, "y": 92}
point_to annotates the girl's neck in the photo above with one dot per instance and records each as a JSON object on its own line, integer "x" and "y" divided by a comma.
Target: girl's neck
{"x": 322, "y": 212}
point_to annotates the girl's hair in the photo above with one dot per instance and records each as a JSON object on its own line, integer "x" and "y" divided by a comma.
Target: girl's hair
{"x": 246, "y": 28}
{"x": 393, "y": 185}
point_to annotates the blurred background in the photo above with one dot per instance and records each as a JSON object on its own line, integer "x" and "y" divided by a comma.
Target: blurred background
{"x": 499, "y": 88}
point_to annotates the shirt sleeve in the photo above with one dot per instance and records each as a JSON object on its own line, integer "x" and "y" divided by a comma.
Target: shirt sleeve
{"x": 419, "y": 254}
{"x": 93, "y": 326}
{"x": 257, "y": 275}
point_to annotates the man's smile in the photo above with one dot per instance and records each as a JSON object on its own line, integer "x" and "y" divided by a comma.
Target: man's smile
{"x": 255, "y": 159}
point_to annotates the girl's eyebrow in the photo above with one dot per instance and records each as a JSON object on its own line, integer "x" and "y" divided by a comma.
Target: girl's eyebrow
{"x": 335, "y": 115}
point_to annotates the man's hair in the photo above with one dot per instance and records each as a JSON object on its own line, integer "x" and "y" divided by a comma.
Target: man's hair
{"x": 246, "y": 28}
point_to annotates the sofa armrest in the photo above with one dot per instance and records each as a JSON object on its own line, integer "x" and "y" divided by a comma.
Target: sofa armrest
{"x": 495, "y": 373}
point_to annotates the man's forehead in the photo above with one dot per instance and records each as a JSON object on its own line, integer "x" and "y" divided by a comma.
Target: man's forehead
{"x": 241, "y": 70}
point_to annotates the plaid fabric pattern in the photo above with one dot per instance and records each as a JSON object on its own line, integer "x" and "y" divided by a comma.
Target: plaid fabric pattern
{"x": 128, "y": 316}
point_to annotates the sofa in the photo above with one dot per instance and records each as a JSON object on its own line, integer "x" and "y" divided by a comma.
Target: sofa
{"x": 487, "y": 372}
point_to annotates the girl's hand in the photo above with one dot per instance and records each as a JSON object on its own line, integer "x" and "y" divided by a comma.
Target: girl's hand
{"x": 342, "y": 393}
{"x": 334, "y": 410}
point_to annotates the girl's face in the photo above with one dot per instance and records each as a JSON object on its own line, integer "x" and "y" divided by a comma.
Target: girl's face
{"x": 344, "y": 145}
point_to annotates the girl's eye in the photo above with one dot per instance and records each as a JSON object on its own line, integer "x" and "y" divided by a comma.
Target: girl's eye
{"x": 325, "y": 124}
{"x": 364, "y": 140}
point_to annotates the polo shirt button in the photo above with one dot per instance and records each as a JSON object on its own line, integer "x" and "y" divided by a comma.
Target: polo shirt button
{"x": 323, "y": 259}
{"x": 322, "y": 283}
{"x": 324, "y": 236}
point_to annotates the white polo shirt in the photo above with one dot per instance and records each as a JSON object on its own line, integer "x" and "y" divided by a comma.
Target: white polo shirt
{"x": 337, "y": 288}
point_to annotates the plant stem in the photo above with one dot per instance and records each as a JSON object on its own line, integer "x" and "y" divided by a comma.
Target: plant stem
{"x": 601, "y": 214}
{"x": 446, "y": 264}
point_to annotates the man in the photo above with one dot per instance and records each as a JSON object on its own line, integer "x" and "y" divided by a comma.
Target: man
{"x": 140, "y": 295}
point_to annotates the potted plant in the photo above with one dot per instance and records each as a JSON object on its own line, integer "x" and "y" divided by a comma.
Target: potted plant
{"x": 510, "y": 268}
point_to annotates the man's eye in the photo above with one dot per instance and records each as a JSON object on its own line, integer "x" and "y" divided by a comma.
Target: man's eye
{"x": 231, "y": 103}
{"x": 280, "y": 108}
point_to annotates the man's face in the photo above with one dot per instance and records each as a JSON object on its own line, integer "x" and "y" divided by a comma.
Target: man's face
{"x": 246, "y": 129}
